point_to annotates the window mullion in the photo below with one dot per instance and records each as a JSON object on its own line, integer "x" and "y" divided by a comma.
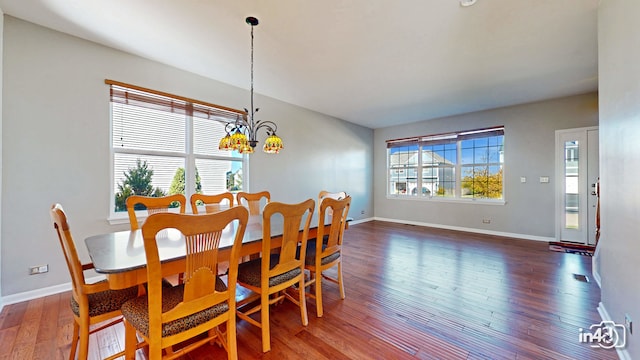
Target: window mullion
{"x": 419, "y": 173}
{"x": 458, "y": 171}
{"x": 190, "y": 162}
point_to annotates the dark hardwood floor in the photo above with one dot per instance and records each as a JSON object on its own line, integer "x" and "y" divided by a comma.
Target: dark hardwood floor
{"x": 412, "y": 293}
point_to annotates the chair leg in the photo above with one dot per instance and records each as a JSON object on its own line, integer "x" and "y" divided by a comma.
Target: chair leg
{"x": 74, "y": 342}
{"x": 302, "y": 302}
{"x": 318, "y": 287}
{"x": 232, "y": 346}
{"x": 264, "y": 319}
{"x": 130, "y": 341}
{"x": 155, "y": 351}
{"x": 340, "y": 283}
{"x": 84, "y": 337}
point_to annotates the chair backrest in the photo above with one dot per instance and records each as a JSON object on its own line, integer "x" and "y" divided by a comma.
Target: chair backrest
{"x": 333, "y": 195}
{"x": 202, "y": 235}
{"x": 295, "y": 217}
{"x": 61, "y": 226}
{"x": 212, "y": 203}
{"x": 337, "y": 222}
{"x": 252, "y": 201}
{"x": 153, "y": 205}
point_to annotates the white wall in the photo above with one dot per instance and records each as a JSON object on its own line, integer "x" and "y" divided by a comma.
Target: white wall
{"x": 1, "y": 57}
{"x": 619, "y": 89}
{"x": 56, "y": 145}
{"x": 529, "y": 152}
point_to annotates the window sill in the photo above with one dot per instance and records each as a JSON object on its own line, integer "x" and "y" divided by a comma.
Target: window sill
{"x": 447, "y": 200}
{"x": 117, "y": 220}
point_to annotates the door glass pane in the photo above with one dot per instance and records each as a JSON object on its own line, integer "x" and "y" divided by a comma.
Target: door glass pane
{"x": 571, "y": 196}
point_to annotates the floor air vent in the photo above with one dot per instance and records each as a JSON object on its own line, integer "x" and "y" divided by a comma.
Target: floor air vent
{"x": 581, "y": 277}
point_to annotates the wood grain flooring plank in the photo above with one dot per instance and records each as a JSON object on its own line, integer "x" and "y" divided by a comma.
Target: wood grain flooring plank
{"x": 13, "y": 314}
{"x": 24, "y": 345}
{"x": 48, "y": 328}
{"x": 7, "y": 340}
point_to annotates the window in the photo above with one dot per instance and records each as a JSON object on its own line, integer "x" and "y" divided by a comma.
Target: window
{"x": 164, "y": 144}
{"x": 463, "y": 165}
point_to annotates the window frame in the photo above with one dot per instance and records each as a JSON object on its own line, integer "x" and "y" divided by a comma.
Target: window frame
{"x": 445, "y": 139}
{"x": 189, "y": 155}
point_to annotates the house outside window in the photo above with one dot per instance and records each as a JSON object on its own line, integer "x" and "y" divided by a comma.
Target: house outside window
{"x": 465, "y": 165}
{"x": 163, "y": 145}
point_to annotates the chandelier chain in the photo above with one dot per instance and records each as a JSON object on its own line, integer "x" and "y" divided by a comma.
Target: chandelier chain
{"x": 252, "y": 108}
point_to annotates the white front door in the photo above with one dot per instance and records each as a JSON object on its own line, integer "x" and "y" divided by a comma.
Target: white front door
{"x": 577, "y": 173}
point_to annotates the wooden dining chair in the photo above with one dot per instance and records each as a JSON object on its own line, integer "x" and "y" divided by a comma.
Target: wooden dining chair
{"x": 211, "y": 203}
{"x": 153, "y": 205}
{"x": 165, "y": 317}
{"x": 323, "y": 255}
{"x": 333, "y": 195}
{"x": 90, "y": 303}
{"x": 253, "y": 201}
{"x": 272, "y": 274}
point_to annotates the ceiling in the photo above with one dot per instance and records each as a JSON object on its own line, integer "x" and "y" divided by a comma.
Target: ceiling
{"x": 375, "y": 63}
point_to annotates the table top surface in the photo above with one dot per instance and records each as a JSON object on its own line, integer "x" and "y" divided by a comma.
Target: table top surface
{"x": 124, "y": 250}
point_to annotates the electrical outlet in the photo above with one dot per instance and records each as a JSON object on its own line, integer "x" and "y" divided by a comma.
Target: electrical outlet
{"x": 362, "y": 212}
{"x": 628, "y": 323}
{"x": 38, "y": 269}
{"x": 486, "y": 221}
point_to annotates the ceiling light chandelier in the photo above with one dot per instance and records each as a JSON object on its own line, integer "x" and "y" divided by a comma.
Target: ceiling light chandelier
{"x": 242, "y": 134}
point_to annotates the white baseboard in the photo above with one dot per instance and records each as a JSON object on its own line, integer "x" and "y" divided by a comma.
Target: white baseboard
{"x": 355, "y": 222}
{"x": 34, "y": 294}
{"x": 473, "y": 230}
{"x": 38, "y": 293}
{"x": 595, "y": 266}
{"x": 623, "y": 354}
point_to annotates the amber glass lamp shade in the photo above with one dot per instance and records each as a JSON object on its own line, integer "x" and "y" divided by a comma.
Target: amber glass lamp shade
{"x": 225, "y": 143}
{"x": 245, "y": 149}
{"x": 238, "y": 140}
{"x": 273, "y": 144}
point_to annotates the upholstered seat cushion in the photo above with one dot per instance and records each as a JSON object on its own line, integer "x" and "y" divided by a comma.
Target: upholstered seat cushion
{"x": 105, "y": 301}
{"x": 310, "y": 255}
{"x": 136, "y": 311}
{"x": 249, "y": 272}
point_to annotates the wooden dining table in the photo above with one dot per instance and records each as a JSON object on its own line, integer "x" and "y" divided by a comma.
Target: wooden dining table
{"x": 120, "y": 255}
